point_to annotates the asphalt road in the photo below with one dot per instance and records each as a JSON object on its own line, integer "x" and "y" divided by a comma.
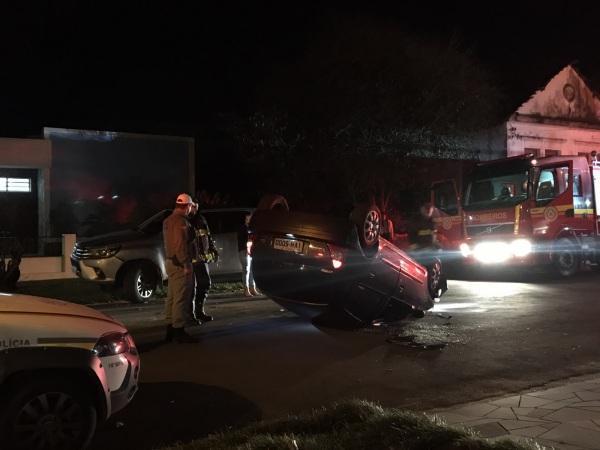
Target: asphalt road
{"x": 255, "y": 361}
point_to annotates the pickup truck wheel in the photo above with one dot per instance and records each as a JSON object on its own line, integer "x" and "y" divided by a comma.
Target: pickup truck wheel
{"x": 367, "y": 219}
{"x": 566, "y": 257}
{"x": 139, "y": 283}
{"x": 50, "y": 413}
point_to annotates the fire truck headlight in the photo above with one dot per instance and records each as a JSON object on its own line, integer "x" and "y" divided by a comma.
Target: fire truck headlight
{"x": 492, "y": 252}
{"x": 520, "y": 247}
{"x": 465, "y": 250}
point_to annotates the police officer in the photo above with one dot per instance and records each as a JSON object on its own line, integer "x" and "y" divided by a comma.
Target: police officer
{"x": 205, "y": 252}
{"x": 178, "y": 238}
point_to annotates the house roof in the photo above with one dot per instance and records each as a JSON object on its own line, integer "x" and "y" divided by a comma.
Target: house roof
{"x": 567, "y": 96}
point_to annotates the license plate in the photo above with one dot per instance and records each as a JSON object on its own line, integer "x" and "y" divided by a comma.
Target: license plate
{"x": 288, "y": 245}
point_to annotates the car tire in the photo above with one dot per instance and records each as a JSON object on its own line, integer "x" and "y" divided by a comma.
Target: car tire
{"x": 367, "y": 219}
{"x": 47, "y": 413}
{"x": 434, "y": 278}
{"x": 566, "y": 257}
{"x": 139, "y": 283}
{"x": 273, "y": 201}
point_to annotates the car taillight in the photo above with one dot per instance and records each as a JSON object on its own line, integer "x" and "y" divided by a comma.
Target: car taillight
{"x": 112, "y": 344}
{"x": 337, "y": 256}
{"x": 412, "y": 269}
{"x": 317, "y": 250}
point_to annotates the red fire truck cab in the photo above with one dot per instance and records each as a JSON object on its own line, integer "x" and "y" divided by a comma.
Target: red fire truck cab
{"x": 523, "y": 210}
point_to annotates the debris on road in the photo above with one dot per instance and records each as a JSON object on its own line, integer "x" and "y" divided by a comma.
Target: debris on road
{"x": 443, "y": 316}
{"x": 411, "y": 342}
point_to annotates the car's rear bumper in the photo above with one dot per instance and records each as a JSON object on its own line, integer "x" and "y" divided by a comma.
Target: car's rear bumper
{"x": 299, "y": 283}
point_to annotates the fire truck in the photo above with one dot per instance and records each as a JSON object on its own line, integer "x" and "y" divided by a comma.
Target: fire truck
{"x": 523, "y": 210}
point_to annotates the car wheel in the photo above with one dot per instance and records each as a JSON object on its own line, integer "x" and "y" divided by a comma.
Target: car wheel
{"x": 434, "y": 278}
{"x": 566, "y": 257}
{"x": 273, "y": 201}
{"x": 51, "y": 413}
{"x": 367, "y": 219}
{"x": 139, "y": 283}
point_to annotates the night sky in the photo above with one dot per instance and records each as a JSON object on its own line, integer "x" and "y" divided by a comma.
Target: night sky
{"x": 171, "y": 69}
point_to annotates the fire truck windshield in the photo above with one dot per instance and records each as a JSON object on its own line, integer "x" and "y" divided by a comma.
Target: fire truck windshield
{"x": 497, "y": 185}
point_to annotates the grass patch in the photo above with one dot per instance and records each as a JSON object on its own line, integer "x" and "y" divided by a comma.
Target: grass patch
{"x": 351, "y": 425}
{"x": 226, "y": 287}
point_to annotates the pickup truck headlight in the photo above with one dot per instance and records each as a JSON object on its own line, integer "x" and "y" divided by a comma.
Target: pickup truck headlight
{"x": 112, "y": 344}
{"x": 104, "y": 252}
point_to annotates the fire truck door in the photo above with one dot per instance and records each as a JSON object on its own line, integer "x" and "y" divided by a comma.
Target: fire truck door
{"x": 560, "y": 201}
{"x": 448, "y": 213}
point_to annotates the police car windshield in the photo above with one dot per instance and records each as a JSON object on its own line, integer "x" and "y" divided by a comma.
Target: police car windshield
{"x": 498, "y": 185}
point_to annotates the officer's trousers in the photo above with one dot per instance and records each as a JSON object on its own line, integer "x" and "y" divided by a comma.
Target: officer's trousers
{"x": 179, "y": 296}
{"x": 203, "y": 283}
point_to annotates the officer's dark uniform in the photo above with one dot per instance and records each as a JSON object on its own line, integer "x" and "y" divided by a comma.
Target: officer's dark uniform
{"x": 205, "y": 252}
{"x": 422, "y": 232}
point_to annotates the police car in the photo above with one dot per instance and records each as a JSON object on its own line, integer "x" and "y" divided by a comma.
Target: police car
{"x": 63, "y": 368}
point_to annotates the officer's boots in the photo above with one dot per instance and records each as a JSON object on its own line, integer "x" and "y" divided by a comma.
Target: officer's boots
{"x": 169, "y": 333}
{"x": 181, "y": 337}
{"x": 203, "y": 317}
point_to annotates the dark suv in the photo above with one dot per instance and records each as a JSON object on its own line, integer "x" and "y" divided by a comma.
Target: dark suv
{"x": 134, "y": 260}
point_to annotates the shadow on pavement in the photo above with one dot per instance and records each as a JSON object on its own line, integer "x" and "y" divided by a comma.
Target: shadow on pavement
{"x": 170, "y": 412}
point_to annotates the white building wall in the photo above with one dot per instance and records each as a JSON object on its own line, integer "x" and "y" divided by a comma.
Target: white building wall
{"x": 563, "y": 118}
{"x": 524, "y": 137}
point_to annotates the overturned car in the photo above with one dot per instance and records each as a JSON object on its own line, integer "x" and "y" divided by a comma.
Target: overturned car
{"x": 321, "y": 266}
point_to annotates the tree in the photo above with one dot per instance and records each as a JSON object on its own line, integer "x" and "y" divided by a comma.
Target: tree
{"x": 364, "y": 98}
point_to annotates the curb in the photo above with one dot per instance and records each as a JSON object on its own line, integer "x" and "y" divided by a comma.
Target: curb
{"x": 223, "y": 298}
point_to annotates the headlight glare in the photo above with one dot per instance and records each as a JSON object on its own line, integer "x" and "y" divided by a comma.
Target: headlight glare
{"x": 521, "y": 247}
{"x": 492, "y": 252}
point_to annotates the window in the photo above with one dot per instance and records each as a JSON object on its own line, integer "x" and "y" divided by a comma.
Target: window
{"x": 15, "y": 184}
{"x": 552, "y": 182}
{"x": 498, "y": 185}
{"x": 549, "y": 152}
{"x": 444, "y": 197}
{"x": 577, "y": 186}
{"x": 535, "y": 151}
{"x": 546, "y": 185}
{"x": 564, "y": 173}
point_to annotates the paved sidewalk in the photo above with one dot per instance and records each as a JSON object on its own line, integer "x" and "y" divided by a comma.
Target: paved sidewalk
{"x": 564, "y": 415}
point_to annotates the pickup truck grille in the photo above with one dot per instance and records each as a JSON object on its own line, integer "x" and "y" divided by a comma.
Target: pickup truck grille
{"x": 81, "y": 252}
{"x": 490, "y": 229}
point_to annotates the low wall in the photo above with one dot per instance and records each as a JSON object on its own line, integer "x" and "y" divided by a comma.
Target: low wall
{"x": 49, "y": 267}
